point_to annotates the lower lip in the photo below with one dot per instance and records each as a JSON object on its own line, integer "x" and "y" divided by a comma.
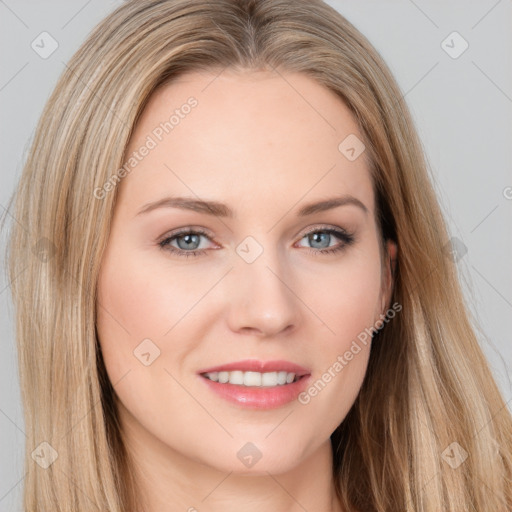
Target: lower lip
{"x": 258, "y": 397}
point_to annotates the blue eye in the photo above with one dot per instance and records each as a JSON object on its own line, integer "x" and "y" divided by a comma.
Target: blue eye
{"x": 190, "y": 238}
{"x": 188, "y": 241}
{"x": 318, "y": 236}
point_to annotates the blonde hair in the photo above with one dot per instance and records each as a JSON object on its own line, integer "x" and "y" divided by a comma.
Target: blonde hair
{"x": 428, "y": 384}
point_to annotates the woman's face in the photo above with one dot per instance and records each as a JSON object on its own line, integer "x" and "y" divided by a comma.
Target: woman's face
{"x": 263, "y": 276}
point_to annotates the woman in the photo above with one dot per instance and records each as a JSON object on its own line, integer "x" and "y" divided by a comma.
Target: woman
{"x": 186, "y": 339}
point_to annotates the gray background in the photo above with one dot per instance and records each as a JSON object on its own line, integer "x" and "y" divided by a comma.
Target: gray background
{"x": 462, "y": 107}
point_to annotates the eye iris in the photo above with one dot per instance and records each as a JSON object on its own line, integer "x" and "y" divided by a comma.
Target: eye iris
{"x": 189, "y": 238}
{"x": 314, "y": 238}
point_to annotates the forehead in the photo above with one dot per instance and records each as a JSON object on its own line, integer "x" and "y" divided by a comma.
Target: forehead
{"x": 240, "y": 135}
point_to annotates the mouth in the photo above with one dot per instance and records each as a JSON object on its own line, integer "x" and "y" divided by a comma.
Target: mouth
{"x": 257, "y": 384}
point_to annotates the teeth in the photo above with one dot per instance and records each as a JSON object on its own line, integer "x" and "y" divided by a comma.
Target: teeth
{"x": 252, "y": 379}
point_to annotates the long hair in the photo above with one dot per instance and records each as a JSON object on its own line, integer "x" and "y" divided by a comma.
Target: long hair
{"x": 428, "y": 398}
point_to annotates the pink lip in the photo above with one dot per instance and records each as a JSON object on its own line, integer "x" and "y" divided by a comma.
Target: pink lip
{"x": 253, "y": 365}
{"x": 259, "y": 397}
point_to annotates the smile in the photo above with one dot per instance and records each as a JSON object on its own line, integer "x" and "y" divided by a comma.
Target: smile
{"x": 254, "y": 384}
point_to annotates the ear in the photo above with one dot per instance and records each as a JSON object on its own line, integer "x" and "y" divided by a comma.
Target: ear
{"x": 388, "y": 273}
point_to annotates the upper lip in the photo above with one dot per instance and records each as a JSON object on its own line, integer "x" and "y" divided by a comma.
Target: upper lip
{"x": 254, "y": 365}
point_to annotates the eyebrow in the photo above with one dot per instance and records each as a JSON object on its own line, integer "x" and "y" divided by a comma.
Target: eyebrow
{"x": 222, "y": 210}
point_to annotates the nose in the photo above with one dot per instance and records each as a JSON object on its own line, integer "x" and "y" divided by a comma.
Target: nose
{"x": 261, "y": 298}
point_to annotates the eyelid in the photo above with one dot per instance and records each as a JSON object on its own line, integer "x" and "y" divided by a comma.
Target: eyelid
{"x": 324, "y": 227}
{"x": 209, "y": 234}
{"x": 184, "y": 231}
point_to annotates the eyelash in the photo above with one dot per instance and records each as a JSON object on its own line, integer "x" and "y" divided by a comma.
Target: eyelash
{"x": 347, "y": 239}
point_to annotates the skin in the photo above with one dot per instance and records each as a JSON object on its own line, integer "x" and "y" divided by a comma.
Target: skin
{"x": 265, "y": 144}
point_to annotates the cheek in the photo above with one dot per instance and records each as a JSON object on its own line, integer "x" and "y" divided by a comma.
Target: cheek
{"x": 139, "y": 300}
{"x": 348, "y": 305}
{"x": 349, "y": 301}
{"x": 139, "y": 309}
{"x": 131, "y": 307}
